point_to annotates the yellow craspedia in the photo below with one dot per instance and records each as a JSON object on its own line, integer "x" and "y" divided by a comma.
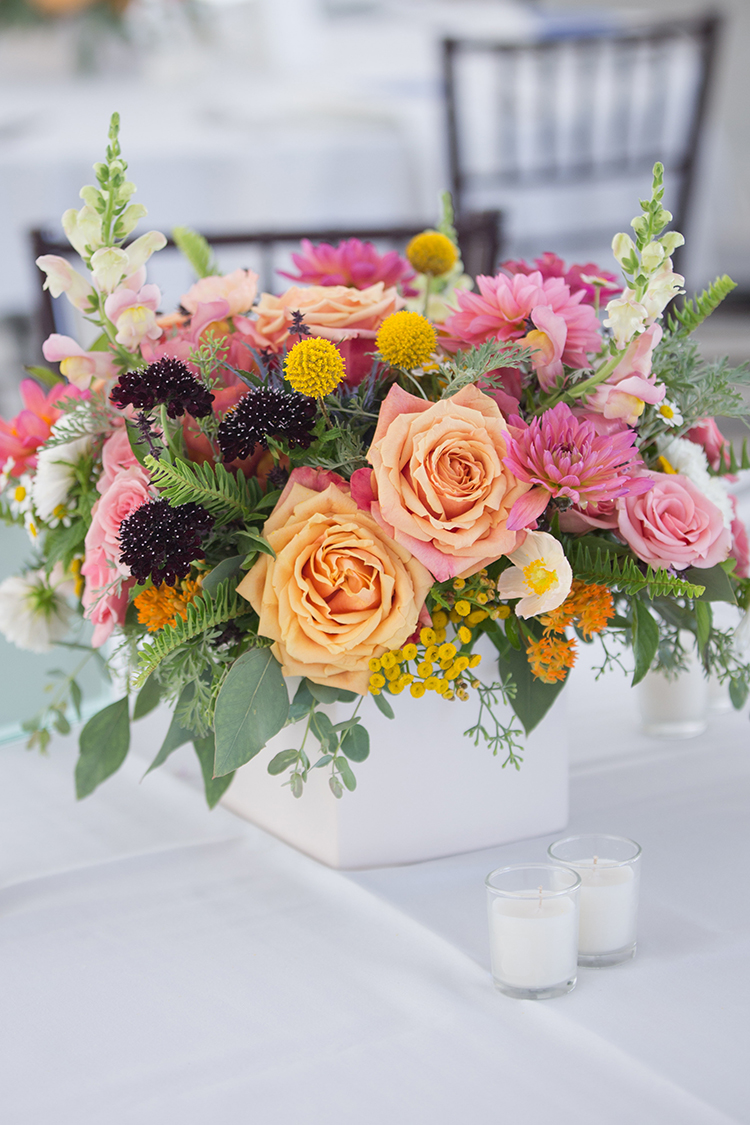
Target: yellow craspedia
{"x": 432, "y": 252}
{"x": 314, "y": 367}
{"x": 406, "y": 339}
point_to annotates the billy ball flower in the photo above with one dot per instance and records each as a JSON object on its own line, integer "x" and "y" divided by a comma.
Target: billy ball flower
{"x": 265, "y": 413}
{"x": 168, "y": 382}
{"x": 160, "y": 542}
{"x": 314, "y": 367}
{"x": 432, "y": 252}
{"x": 406, "y": 340}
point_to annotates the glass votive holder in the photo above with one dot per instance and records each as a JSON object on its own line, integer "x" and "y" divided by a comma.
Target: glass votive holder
{"x": 610, "y": 868}
{"x": 533, "y": 917}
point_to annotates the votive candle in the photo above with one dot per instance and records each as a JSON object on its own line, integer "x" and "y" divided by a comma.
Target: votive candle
{"x": 609, "y": 868}
{"x": 533, "y": 920}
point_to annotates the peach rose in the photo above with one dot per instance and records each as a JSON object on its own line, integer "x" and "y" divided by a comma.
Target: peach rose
{"x": 441, "y": 486}
{"x": 339, "y": 591}
{"x": 674, "y": 524}
{"x": 335, "y": 312}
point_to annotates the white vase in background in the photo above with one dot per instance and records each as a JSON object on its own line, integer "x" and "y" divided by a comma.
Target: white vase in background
{"x": 425, "y": 791}
{"x": 675, "y": 707}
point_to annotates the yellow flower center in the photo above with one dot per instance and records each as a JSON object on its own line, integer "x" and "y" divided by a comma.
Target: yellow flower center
{"x": 314, "y": 367}
{"x": 666, "y": 410}
{"x": 20, "y": 494}
{"x": 665, "y": 466}
{"x": 59, "y": 512}
{"x": 432, "y": 252}
{"x": 406, "y": 340}
{"x": 538, "y": 577}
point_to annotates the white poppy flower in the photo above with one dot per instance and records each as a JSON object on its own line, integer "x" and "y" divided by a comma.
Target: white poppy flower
{"x": 540, "y": 576}
{"x": 55, "y": 474}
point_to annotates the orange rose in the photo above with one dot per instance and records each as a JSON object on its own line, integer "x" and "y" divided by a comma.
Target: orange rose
{"x": 439, "y": 484}
{"x": 339, "y": 591}
{"x": 336, "y": 312}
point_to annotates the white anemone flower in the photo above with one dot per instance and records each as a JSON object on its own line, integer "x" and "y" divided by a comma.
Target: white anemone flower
{"x": 33, "y": 615}
{"x": 55, "y": 475}
{"x": 540, "y": 576}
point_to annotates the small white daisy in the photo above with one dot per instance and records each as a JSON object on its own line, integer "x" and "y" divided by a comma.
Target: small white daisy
{"x": 670, "y": 414}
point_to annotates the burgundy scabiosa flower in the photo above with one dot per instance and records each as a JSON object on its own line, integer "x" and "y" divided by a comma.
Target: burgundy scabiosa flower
{"x": 561, "y": 455}
{"x": 160, "y": 542}
{"x": 167, "y": 382}
{"x": 354, "y": 263}
{"x": 265, "y": 413}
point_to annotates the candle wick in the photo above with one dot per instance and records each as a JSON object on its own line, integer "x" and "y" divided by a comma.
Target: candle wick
{"x": 596, "y": 860}
{"x": 540, "y": 897}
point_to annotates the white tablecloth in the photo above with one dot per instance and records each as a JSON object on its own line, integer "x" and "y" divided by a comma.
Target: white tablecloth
{"x": 161, "y": 964}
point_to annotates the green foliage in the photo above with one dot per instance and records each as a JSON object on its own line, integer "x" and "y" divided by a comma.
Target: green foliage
{"x": 700, "y": 389}
{"x": 715, "y": 581}
{"x": 645, "y": 639}
{"x": 148, "y": 698}
{"x": 477, "y": 363}
{"x": 214, "y": 787}
{"x": 44, "y": 375}
{"x": 83, "y": 418}
{"x": 595, "y": 562}
{"x": 225, "y": 496}
{"x": 532, "y": 698}
{"x": 196, "y": 249}
{"x": 203, "y": 613}
{"x": 252, "y": 707}
{"x": 685, "y": 320}
{"x": 103, "y": 746}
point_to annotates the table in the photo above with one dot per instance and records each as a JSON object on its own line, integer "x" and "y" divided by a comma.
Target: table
{"x": 163, "y": 964}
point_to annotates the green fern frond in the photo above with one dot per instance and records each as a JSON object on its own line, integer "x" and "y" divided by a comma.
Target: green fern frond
{"x": 686, "y": 320}
{"x": 225, "y": 496}
{"x": 601, "y": 568}
{"x": 204, "y": 613}
{"x": 741, "y": 462}
{"x": 196, "y": 249}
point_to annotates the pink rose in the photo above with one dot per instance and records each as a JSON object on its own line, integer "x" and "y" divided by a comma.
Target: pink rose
{"x": 238, "y": 289}
{"x": 128, "y": 491}
{"x": 601, "y": 516}
{"x": 708, "y": 435}
{"x": 116, "y": 455}
{"x": 674, "y": 524}
{"x": 105, "y": 598}
{"x": 740, "y": 546}
{"x": 442, "y": 486}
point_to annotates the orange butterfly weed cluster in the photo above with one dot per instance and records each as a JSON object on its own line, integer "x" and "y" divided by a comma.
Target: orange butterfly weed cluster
{"x": 162, "y": 605}
{"x": 587, "y": 607}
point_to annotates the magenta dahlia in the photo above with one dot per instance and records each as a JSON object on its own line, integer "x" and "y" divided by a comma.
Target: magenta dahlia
{"x": 561, "y": 455}
{"x": 577, "y": 277}
{"x": 353, "y": 263}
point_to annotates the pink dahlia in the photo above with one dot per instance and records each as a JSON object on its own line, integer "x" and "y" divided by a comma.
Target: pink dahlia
{"x": 562, "y": 456}
{"x": 506, "y": 308}
{"x": 577, "y": 277}
{"x": 21, "y": 436}
{"x": 353, "y": 263}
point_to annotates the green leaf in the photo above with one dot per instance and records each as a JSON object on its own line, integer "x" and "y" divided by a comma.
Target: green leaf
{"x": 138, "y": 447}
{"x": 703, "y": 619}
{"x": 177, "y": 735}
{"x": 103, "y": 746}
{"x": 46, "y": 376}
{"x": 322, "y": 761}
{"x": 347, "y": 776}
{"x": 322, "y": 728}
{"x": 225, "y": 496}
{"x": 533, "y": 698}
{"x": 214, "y": 786}
{"x": 695, "y": 312}
{"x": 323, "y": 692}
{"x": 76, "y": 696}
{"x": 356, "y": 743}
{"x": 251, "y": 542}
{"x": 148, "y": 698}
{"x": 282, "y": 761}
{"x": 718, "y": 588}
{"x": 383, "y": 705}
{"x": 252, "y": 707}
{"x": 302, "y": 704}
{"x": 196, "y": 249}
{"x": 227, "y": 568}
{"x": 61, "y": 724}
{"x": 335, "y": 786}
{"x": 738, "y": 692}
{"x": 645, "y": 640}
{"x": 512, "y": 633}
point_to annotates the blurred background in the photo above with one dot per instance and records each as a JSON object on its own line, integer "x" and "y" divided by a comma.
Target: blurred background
{"x": 248, "y": 116}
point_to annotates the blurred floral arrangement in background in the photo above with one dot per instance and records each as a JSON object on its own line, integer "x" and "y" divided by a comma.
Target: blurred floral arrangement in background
{"x": 358, "y": 480}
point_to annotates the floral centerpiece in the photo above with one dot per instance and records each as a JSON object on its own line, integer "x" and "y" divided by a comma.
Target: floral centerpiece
{"x": 357, "y": 480}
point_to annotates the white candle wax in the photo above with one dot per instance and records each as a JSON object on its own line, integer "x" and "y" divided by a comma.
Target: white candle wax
{"x": 533, "y": 942}
{"x": 608, "y": 905}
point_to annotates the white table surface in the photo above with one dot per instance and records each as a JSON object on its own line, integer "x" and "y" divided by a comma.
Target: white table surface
{"x": 162, "y": 964}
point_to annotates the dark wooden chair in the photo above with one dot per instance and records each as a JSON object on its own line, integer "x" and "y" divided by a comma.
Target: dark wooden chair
{"x": 589, "y": 109}
{"x": 479, "y": 237}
